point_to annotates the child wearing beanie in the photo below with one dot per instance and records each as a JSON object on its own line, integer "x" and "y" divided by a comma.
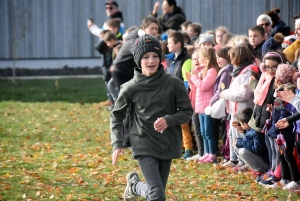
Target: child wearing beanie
{"x": 158, "y": 105}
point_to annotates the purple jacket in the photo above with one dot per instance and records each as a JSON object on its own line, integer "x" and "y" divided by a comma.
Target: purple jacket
{"x": 223, "y": 77}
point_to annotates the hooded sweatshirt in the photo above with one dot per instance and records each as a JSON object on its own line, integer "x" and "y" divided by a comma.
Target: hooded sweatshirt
{"x": 149, "y": 98}
{"x": 124, "y": 62}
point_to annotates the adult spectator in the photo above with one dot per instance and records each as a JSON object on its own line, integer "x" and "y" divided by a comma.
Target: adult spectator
{"x": 112, "y": 12}
{"x": 172, "y": 17}
{"x": 265, "y": 21}
{"x": 277, "y": 24}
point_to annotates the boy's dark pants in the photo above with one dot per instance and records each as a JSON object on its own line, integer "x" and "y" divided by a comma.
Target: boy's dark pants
{"x": 156, "y": 173}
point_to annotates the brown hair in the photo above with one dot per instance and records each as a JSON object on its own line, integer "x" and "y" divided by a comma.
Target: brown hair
{"x": 196, "y": 27}
{"x": 258, "y": 29}
{"x": 147, "y": 21}
{"x": 187, "y": 39}
{"x": 108, "y": 36}
{"x": 115, "y": 22}
{"x": 240, "y": 54}
{"x": 186, "y": 24}
{"x": 164, "y": 49}
{"x": 177, "y": 36}
{"x": 210, "y": 54}
{"x": 223, "y": 52}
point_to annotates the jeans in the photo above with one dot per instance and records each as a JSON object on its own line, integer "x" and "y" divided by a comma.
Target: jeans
{"x": 288, "y": 162}
{"x": 254, "y": 161}
{"x": 156, "y": 172}
{"x": 112, "y": 90}
{"x": 267, "y": 141}
{"x": 199, "y": 138}
{"x": 274, "y": 154}
{"x": 207, "y": 131}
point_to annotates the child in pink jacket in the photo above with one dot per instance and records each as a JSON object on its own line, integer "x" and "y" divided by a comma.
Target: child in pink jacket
{"x": 204, "y": 82}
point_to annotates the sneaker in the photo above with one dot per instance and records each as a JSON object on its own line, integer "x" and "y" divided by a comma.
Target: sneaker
{"x": 199, "y": 160}
{"x": 291, "y": 186}
{"x": 209, "y": 159}
{"x": 270, "y": 181}
{"x": 187, "y": 154}
{"x": 279, "y": 184}
{"x": 241, "y": 168}
{"x": 131, "y": 178}
{"x": 259, "y": 178}
{"x": 229, "y": 164}
{"x": 193, "y": 158}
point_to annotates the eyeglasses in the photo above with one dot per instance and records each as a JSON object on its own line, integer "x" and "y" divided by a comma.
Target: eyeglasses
{"x": 271, "y": 68}
{"x": 110, "y": 8}
{"x": 265, "y": 24}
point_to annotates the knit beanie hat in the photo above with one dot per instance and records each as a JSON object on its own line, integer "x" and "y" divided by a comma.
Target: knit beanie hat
{"x": 273, "y": 43}
{"x": 274, "y": 15}
{"x": 290, "y": 50}
{"x": 285, "y": 73}
{"x": 207, "y": 38}
{"x": 144, "y": 44}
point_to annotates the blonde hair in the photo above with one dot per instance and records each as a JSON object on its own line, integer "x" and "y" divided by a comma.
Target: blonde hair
{"x": 210, "y": 54}
{"x": 238, "y": 40}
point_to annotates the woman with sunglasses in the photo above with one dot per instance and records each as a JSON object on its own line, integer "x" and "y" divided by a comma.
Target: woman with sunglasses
{"x": 266, "y": 22}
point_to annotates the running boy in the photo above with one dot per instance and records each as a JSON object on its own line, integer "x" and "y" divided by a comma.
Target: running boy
{"x": 155, "y": 132}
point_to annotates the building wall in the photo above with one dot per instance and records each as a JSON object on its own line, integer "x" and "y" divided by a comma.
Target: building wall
{"x": 51, "y": 29}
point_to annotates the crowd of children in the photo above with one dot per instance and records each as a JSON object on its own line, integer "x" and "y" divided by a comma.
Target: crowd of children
{"x": 238, "y": 86}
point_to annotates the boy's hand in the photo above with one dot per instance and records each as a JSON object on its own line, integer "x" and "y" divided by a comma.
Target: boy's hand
{"x": 111, "y": 69}
{"x": 116, "y": 154}
{"x": 89, "y": 23}
{"x": 160, "y": 124}
{"x": 287, "y": 96}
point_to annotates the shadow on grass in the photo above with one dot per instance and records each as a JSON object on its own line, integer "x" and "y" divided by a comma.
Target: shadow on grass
{"x": 73, "y": 90}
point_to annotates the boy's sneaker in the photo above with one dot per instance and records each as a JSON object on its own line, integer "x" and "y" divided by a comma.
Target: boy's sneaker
{"x": 187, "y": 154}
{"x": 270, "y": 181}
{"x": 229, "y": 164}
{"x": 279, "y": 184}
{"x": 193, "y": 158}
{"x": 291, "y": 186}
{"x": 241, "y": 168}
{"x": 131, "y": 178}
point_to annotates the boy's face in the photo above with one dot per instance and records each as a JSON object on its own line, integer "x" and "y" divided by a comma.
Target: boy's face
{"x": 173, "y": 47}
{"x": 110, "y": 43}
{"x": 149, "y": 63}
{"x": 255, "y": 38}
{"x": 244, "y": 126}
{"x": 114, "y": 30}
{"x": 152, "y": 29}
{"x": 191, "y": 32}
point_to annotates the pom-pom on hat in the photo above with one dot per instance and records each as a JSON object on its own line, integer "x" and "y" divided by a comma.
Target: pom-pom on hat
{"x": 290, "y": 50}
{"x": 285, "y": 73}
{"x": 207, "y": 38}
{"x": 273, "y": 43}
{"x": 144, "y": 44}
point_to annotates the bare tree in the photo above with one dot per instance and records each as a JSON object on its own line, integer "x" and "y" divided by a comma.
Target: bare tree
{"x": 18, "y": 32}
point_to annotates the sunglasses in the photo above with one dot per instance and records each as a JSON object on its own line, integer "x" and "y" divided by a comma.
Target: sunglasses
{"x": 110, "y": 8}
{"x": 266, "y": 24}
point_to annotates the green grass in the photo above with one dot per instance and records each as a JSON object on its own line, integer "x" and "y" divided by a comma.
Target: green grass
{"x": 57, "y": 150}
{"x": 65, "y": 90}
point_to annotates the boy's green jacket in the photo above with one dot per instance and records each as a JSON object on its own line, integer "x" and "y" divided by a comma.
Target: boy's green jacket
{"x": 149, "y": 98}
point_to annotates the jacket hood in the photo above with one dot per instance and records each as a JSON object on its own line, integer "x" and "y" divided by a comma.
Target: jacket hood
{"x": 117, "y": 15}
{"x": 151, "y": 81}
{"x": 133, "y": 35}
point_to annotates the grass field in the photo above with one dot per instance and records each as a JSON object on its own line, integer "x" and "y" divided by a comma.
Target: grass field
{"x": 52, "y": 149}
